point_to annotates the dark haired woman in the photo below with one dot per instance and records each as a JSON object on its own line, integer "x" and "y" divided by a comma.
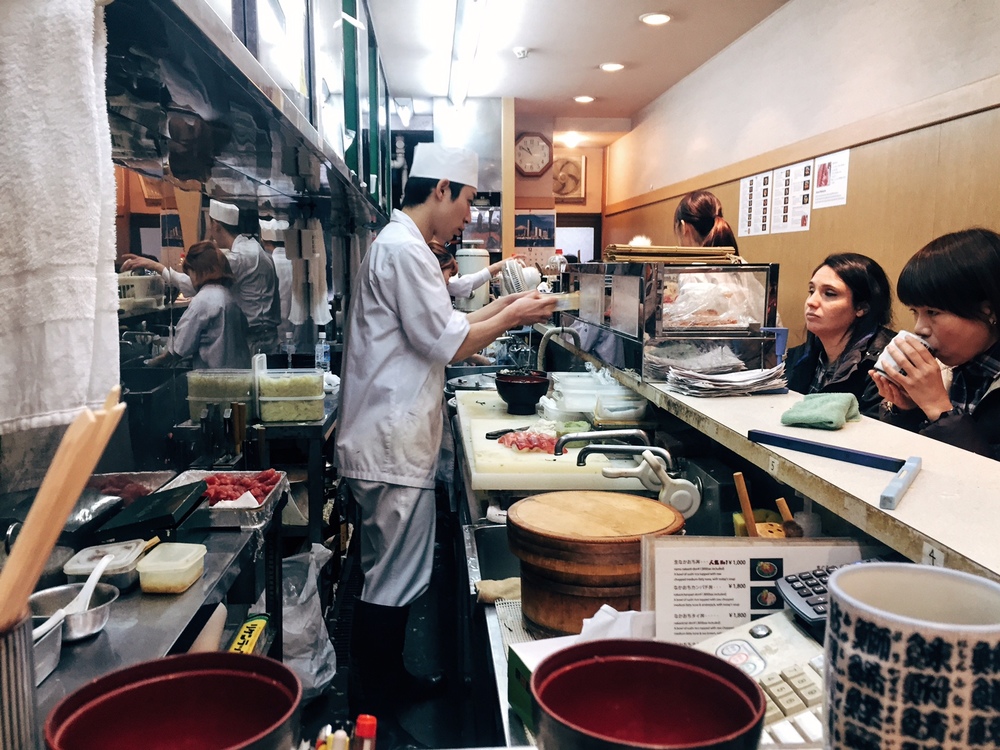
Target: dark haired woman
{"x": 213, "y": 330}
{"x": 952, "y": 287}
{"x": 847, "y": 313}
{"x": 698, "y": 222}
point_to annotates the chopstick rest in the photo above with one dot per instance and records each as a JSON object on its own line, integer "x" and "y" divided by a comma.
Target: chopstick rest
{"x": 900, "y": 483}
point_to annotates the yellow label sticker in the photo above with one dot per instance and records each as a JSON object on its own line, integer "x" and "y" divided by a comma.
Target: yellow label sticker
{"x": 249, "y": 634}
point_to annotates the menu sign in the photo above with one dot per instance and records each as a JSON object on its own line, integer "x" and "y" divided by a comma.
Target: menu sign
{"x": 791, "y": 205}
{"x": 702, "y": 586}
{"x": 756, "y": 196}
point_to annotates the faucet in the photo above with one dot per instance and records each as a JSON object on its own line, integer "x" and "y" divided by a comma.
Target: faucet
{"x": 637, "y": 437}
{"x": 625, "y": 450}
{"x": 574, "y": 334}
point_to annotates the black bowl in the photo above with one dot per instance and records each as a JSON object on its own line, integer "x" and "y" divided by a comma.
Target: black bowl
{"x": 521, "y": 391}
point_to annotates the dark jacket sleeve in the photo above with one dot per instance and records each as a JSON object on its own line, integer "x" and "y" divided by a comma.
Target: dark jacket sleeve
{"x": 978, "y": 432}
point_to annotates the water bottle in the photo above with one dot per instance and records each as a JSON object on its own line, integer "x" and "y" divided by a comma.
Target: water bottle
{"x": 288, "y": 348}
{"x": 322, "y": 353}
{"x": 554, "y": 268}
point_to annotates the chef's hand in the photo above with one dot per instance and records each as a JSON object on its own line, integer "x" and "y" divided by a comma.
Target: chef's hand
{"x": 133, "y": 262}
{"x": 531, "y": 307}
{"x": 920, "y": 384}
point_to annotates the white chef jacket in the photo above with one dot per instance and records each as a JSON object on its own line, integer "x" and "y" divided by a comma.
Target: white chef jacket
{"x": 256, "y": 285}
{"x": 463, "y": 286}
{"x": 401, "y": 332}
{"x": 212, "y": 331}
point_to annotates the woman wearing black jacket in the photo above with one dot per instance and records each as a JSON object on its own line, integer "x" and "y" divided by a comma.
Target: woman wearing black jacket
{"x": 847, "y": 312}
{"x": 952, "y": 287}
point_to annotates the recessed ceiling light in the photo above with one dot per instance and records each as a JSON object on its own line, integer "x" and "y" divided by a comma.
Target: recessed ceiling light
{"x": 654, "y": 19}
{"x": 611, "y": 67}
{"x": 583, "y": 99}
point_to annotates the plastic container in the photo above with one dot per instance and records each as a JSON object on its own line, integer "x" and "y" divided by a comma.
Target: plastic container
{"x": 292, "y": 409}
{"x": 171, "y": 568}
{"x": 290, "y": 384}
{"x": 217, "y": 387}
{"x": 121, "y": 571}
{"x": 619, "y": 408}
{"x": 322, "y": 353}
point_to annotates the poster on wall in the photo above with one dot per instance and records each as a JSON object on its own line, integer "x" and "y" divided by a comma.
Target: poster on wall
{"x": 831, "y": 179}
{"x": 534, "y": 229}
{"x": 484, "y": 229}
{"x": 755, "y": 199}
{"x": 791, "y": 198}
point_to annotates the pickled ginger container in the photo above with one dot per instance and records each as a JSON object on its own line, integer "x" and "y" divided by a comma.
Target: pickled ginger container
{"x": 219, "y": 387}
{"x": 294, "y": 395}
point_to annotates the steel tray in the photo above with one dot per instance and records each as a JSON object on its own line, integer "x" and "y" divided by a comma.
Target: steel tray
{"x": 228, "y": 518}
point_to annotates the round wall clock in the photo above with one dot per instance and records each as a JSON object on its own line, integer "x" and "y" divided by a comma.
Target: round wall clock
{"x": 532, "y": 154}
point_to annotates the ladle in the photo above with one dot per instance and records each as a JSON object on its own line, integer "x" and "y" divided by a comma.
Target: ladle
{"x": 80, "y": 603}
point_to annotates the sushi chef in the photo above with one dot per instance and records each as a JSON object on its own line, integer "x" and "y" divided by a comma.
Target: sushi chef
{"x": 401, "y": 332}
{"x": 256, "y": 285}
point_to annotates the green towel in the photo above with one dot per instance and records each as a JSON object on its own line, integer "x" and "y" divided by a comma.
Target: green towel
{"x": 824, "y": 411}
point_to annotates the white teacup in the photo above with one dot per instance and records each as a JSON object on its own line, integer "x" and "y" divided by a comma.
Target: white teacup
{"x": 885, "y": 363}
{"x": 912, "y": 658}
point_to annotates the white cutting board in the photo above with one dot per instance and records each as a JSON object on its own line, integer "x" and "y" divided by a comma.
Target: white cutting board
{"x": 496, "y": 467}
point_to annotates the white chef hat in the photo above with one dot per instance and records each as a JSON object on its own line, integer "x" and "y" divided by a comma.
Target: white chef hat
{"x": 226, "y": 213}
{"x": 446, "y": 163}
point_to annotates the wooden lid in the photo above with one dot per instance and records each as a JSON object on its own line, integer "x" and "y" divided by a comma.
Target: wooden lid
{"x": 587, "y": 515}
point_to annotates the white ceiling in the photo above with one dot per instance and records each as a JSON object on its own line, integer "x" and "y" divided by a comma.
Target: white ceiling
{"x": 566, "y": 41}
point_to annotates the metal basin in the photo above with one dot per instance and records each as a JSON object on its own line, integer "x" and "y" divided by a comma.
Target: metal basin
{"x": 82, "y": 624}
{"x": 496, "y": 561}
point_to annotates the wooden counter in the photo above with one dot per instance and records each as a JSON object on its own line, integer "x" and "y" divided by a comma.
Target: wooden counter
{"x": 950, "y": 509}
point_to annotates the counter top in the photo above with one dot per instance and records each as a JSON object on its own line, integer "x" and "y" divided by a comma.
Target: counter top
{"x": 940, "y": 519}
{"x": 496, "y": 467}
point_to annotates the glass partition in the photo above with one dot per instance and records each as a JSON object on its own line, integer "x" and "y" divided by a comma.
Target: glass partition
{"x": 328, "y": 92}
{"x": 282, "y": 34}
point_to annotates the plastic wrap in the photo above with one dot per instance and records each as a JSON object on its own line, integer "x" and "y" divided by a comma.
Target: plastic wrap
{"x": 712, "y": 300}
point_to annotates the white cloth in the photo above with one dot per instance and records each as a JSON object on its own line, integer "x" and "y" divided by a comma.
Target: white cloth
{"x": 397, "y": 541}
{"x": 319, "y": 303}
{"x": 283, "y": 269}
{"x": 213, "y": 331}
{"x": 401, "y": 333}
{"x": 58, "y": 287}
{"x": 463, "y": 286}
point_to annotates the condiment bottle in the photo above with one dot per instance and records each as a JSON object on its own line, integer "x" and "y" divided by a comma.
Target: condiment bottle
{"x": 364, "y": 733}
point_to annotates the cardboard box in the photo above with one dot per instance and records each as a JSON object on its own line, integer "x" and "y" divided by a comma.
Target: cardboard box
{"x": 522, "y": 658}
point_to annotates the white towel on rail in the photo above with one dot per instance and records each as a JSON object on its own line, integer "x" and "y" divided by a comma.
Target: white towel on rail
{"x": 58, "y": 288}
{"x": 318, "y": 298}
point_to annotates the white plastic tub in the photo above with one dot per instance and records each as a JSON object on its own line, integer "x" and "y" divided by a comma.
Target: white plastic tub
{"x": 171, "y": 568}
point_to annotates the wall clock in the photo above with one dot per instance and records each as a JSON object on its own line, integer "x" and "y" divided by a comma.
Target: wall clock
{"x": 569, "y": 177}
{"x": 532, "y": 154}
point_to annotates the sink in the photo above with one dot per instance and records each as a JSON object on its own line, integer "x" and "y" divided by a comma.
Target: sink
{"x": 496, "y": 561}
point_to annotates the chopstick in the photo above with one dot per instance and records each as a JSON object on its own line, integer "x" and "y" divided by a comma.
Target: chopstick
{"x": 741, "y": 491}
{"x": 78, "y": 453}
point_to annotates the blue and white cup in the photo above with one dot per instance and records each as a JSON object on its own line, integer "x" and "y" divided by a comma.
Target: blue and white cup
{"x": 885, "y": 363}
{"x": 912, "y": 659}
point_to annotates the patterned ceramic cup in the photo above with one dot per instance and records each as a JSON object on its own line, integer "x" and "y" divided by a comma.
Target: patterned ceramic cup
{"x": 912, "y": 659}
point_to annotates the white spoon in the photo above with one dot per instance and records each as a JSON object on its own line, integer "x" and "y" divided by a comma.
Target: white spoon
{"x": 80, "y": 603}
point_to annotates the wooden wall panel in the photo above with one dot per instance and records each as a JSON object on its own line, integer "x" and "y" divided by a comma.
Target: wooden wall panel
{"x": 903, "y": 191}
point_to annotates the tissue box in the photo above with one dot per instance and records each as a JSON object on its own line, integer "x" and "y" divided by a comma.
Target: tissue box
{"x": 522, "y": 658}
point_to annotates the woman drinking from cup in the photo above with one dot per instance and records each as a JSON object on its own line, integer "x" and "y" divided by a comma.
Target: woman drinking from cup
{"x": 847, "y": 312}
{"x": 952, "y": 287}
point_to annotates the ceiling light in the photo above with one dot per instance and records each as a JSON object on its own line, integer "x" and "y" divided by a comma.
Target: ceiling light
{"x": 654, "y": 19}
{"x": 583, "y": 99}
{"x": 469, "y": 17}
{"x": 571, "y": 139}
{"x": 611, "y": 67}
{"x": 520, "y": 52}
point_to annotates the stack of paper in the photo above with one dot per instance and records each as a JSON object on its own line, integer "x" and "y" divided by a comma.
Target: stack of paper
{"x": 741, "y": 383}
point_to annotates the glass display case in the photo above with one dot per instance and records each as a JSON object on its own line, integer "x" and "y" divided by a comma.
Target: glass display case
{"x": 651, "y": 316}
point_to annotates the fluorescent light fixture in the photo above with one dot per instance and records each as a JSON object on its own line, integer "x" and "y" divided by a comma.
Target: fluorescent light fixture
{"x": 352, "y": 20}
{"x": 404, "y": 110}
{"x": 611, "y": 67}
{"x": 570, "y": 139}
{"x": 583, "y": 99}
{"x": 469, "y": 17}
{"x": 654, "y": 19}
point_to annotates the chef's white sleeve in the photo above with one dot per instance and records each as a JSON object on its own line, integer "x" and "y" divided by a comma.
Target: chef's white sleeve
{"x": 463, "y": 286}
{"x": 179, "y": 280}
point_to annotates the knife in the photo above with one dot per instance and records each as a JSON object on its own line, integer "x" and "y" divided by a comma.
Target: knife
{"x": 499, "y": 433}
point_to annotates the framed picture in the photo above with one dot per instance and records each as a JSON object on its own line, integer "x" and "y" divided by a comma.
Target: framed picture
{"x": 534, "y": 230}
{"x": 569, "y": 178}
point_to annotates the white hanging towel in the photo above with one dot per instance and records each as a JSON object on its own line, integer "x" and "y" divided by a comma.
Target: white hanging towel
{"x": 319, "y": 301}
{"x": 58, "y": 288}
